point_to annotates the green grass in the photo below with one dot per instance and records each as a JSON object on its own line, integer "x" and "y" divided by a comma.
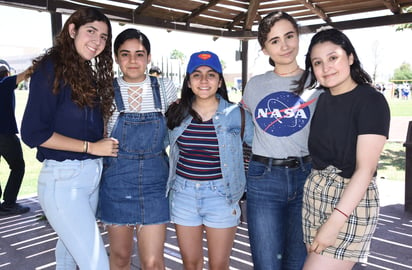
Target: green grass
{"x": 29, "y": 186}
{"x": 400, "y": 107}
{"x": 392, "y": 162}
{"x": 391, "y": 165}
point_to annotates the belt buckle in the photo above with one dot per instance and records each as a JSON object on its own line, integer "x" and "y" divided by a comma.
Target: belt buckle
{"x": 296, "y": 163}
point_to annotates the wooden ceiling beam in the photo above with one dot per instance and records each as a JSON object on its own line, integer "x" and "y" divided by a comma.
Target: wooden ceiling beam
{"x": 198, "y": 11}
{"x": 126, "y": 2}
{"x": 219, "y": 22}
{"x": 363, "y": 23}
{"x": 236, "y": 21}
{"x": 251, "y": 14}
{"x": 142, "y": 7}
{"x": 315, "y": 9}
{"x": 86, "y": 3}
{"x": 393, "y": 6}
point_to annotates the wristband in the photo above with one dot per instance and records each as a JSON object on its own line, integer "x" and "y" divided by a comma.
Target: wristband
{"x": 85, "y": 146}
{"x": 343, "y": 213}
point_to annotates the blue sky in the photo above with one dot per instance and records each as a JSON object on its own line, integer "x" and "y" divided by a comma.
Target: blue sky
{"x": 26, "y": 32}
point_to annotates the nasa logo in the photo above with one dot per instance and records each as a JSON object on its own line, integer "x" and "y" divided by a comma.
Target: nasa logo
{"x": 282, "y": 113}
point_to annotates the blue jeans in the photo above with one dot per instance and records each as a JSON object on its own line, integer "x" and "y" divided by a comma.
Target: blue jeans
{"x": 11, "y": 151}
{"x": 68, "y": 193}
{"x": 274, "y": 215}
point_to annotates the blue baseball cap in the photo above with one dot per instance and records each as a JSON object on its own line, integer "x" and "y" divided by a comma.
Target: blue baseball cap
{"x": 204, "y": 58}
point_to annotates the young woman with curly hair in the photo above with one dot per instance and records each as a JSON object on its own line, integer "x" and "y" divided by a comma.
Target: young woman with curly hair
{"x": 71, "y": 97}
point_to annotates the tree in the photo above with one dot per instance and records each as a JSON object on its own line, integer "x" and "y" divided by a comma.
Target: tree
{"x": 403, "y": 73}
{"x": 178, "y": 55}
{"x": 376, "y": 59}
{"x": 181, "y": 57}
{"x": 405, "y": 26}
{"x": 223, "y": 63}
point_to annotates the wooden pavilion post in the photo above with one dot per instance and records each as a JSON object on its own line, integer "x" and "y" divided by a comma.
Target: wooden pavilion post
{"x": 408, "y": 169}
{"x": 245, "y": 59}
{"x": 56, "y": 24}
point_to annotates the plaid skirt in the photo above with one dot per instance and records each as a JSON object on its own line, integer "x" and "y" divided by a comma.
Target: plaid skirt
{"x": 322, "y": 192}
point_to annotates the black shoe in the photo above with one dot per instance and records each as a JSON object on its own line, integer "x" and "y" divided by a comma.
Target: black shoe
{"x": 14, "y": 209}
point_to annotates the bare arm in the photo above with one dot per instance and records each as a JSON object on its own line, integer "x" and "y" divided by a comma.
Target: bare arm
{"x": 21, "y": 76}
{"x": 369, "y": 148}
{"x": 104, "y": 147}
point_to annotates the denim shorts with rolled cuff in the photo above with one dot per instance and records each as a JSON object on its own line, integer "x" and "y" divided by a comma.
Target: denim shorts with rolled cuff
{"x": 195, "y": 203}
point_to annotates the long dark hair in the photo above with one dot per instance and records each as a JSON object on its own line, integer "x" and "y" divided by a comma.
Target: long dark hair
{"x": 267, "y": 23}
{"x": 91, "y": 82}
{"x": 358, "y": 74}
{"x": 179, "y": 111}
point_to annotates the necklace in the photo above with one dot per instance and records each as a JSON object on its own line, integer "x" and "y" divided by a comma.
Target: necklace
{"x": 286, "y": 73}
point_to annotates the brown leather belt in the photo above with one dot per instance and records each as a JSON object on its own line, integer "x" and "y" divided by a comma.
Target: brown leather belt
{"x": 291, "y": 162}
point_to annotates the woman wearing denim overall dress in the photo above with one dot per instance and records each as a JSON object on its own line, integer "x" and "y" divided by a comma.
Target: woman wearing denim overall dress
{"x": 133, "y": 188}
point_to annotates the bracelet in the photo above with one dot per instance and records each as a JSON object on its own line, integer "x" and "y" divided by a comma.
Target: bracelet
{"x": 85, "y": 146}
{"x": 343, "y": 213}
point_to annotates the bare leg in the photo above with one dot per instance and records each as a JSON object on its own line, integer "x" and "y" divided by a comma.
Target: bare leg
{"x": 316, "y": 261}
{"x": 220, "y": 243}
{"x": 121, "y": 246}
{"x": 151, "y": 239}
{"x": 190, "y": 240}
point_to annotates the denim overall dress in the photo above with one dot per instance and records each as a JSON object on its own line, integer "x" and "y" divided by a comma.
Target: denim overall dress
{"x": 133, "y": 185}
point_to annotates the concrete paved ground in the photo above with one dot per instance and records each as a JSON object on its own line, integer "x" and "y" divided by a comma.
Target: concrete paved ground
{"x": 398, "y": 128}
{"x": 26, "y": 242}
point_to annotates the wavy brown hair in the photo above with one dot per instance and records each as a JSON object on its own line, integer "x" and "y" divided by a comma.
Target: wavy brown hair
{"x": 268, "y": 22}
{"x": 91, "y": 81}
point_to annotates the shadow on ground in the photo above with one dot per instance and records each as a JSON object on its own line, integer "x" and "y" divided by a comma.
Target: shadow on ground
{"x": 391, "y": 246}
{"x": 27, "y": 242}
{"x": 392, "y": 158}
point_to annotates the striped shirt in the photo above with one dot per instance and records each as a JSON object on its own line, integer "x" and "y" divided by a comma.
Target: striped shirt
{"x": 147, "y": 105}
{"x": 199, "y": 152}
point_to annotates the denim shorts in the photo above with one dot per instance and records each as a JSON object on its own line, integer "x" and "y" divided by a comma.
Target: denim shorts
{"x": 195, "y": 203}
